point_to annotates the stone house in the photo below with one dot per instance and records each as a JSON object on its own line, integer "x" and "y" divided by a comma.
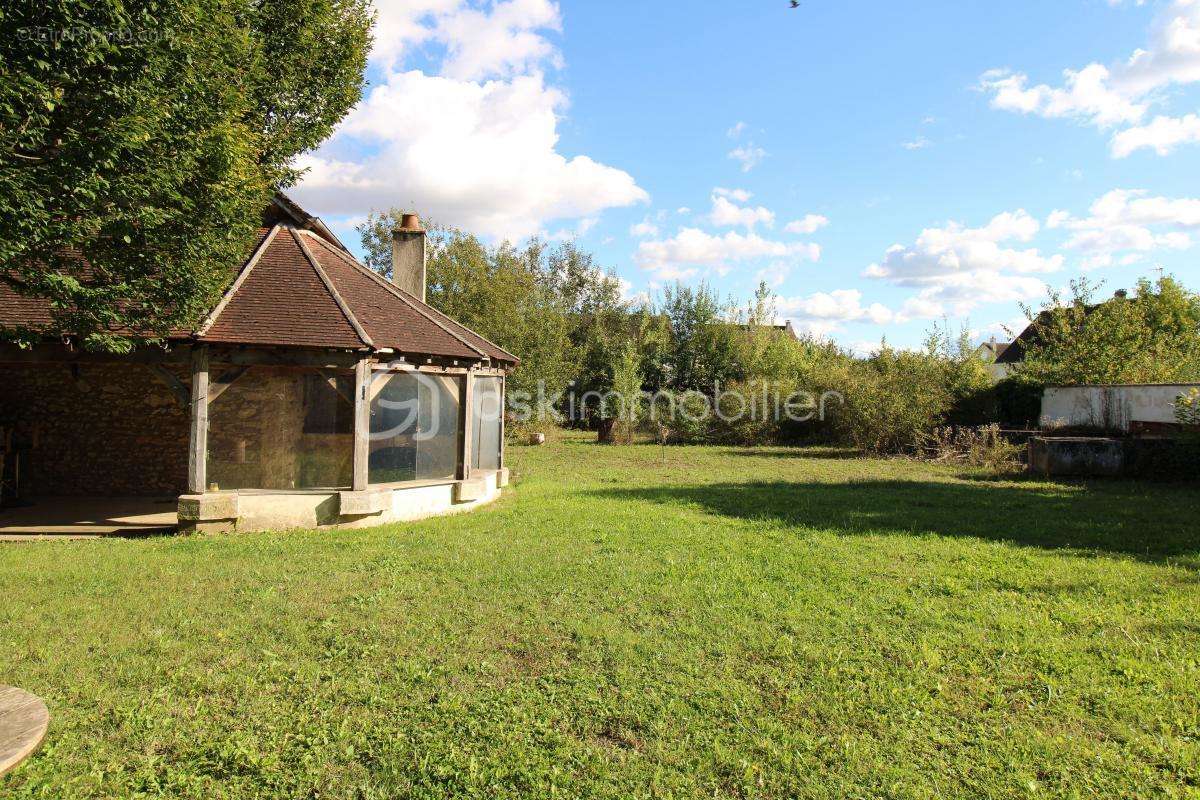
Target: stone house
{"x": 316, "y": 392}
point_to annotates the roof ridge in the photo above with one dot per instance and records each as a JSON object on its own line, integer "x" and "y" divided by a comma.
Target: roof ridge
{"x": 407, "y": 298}
{"x": 211, "y": 318}
{"x": 451, "y": 319}
{"x": 333, "y": 292}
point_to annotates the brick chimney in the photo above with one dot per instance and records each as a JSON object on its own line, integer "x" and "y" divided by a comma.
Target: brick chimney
{"x": 408, "y": 256}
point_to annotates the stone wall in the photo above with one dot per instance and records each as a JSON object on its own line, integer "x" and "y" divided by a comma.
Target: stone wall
{"x": 95, "y": 429}
{"x": 280, "y": 428}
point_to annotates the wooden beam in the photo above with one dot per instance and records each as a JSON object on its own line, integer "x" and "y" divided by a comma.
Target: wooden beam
{"x": 333, "y": 292}
{"x": 262, "y": 357}
{"x": 500, "y": 458}
{"x": 224, "y": 381}
{"x": 181, "y": 353}
{"x": 198, "y": 441}
{"x": 57, "y": 353}
{"x": 362, "y": 424}
{"x": 336, "y": 385}
{"x": 182, "y": 394}
{"x": 468, "y": 418}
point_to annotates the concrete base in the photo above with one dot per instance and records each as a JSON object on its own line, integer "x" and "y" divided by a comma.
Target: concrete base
{"x": 259, "y": 510}
{"x": 473, "y": 488}
{"x": 1077, "y": 455}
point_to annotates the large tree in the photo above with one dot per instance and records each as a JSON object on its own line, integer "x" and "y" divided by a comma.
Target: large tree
{"x": 552, "y": 306}
{"x": 1152, "y": 336}
{"x": 145, "y": 136}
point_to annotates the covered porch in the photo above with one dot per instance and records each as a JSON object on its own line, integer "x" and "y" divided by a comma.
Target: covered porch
{"x": 203, "y": 438}
{"x": 315, "y": 393}
{"x": 241, "y": 439}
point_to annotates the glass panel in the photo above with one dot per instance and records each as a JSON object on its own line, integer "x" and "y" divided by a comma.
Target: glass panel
{"x": 487, "y": 409}
{"x": 414, "y": 427}
{"x": 279, "y": 428}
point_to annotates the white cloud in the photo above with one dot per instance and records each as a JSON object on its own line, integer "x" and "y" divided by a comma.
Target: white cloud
{"x": 920, "y": 143}
{"x": 475, "y": 145}
{"x": 1002, "y": 330}
{"x": 958, "y": 294}
{"x": 1128, "y": 222}
{"x": 628, "y": 295}
{"x": 643, "y": 229}
{"x": 1120, "y": 95}
{"x": 570, "y": 233}
{"x": 822, "y": 313}
{"x": 737, "y": 195}
{"x": 726, "y": 212}
{"x": 505, "y": 39}
{"x": 774, "y": 273}
{"x": 939, "y": 253}
{"x": 810, "y": 223}
{"x": 1086, "y": 96}
{"x": 682, "y": 255}
{"x": 957, "y": 268}
{"x": 864, "y": 348}
{"x": 1162, "y": 135}
{"x": 737, "y": 130}
{"x": 748, "y": 155}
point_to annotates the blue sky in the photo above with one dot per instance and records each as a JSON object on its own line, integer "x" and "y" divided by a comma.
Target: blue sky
{"x": 883, "y": 165}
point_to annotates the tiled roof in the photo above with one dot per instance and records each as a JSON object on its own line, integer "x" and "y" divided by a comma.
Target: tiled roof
{"x": 388, "y": 316}
{"x": 281, "y": 299}
{"x": 301, "y": 288}
{"x": 19, "y": 310}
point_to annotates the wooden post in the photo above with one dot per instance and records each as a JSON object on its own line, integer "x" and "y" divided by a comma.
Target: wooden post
{"x": 468, "y": 417}
{"x": 362, "y": 424}
{"x": 500, "y": 402}
{"x": 198, "y": 441}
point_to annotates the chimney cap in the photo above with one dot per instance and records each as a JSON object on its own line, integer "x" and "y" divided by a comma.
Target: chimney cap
{"x": 410, "y": 221}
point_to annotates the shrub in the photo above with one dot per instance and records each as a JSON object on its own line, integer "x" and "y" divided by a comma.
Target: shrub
{"x": 892, "y": 400}
{"x": 975, "y": 447}
{"x": 1187, "y": 408}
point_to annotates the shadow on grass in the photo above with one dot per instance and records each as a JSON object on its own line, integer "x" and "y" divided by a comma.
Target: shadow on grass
{"x": 817, "y": 453}
{"x": 1148, "y": 523}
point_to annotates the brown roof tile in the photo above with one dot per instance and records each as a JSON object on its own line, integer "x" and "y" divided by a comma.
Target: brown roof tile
{"x": 389, "y": 320}
{"x": 283, "y": 301}
{"x": 300, "y": 288}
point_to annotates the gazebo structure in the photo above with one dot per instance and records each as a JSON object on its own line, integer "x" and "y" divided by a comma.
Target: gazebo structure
{"x": 315, "y": 393}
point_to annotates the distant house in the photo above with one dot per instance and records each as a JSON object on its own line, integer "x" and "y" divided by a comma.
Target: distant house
{"x": 785, "y": 329}
{"x": 1014, "y": 353}
{"x": 989, "y": 353}
{"x": 316, "y": 392}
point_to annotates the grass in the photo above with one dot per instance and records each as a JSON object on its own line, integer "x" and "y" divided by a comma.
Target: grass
{"x": 636, "y": 622}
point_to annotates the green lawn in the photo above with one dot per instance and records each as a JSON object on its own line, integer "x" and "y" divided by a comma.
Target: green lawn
{"x": 634, "y": 622}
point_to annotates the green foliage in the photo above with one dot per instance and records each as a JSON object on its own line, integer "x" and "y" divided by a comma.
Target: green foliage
{"x": 562, "y": 315}
{"x": 628, "y": 623}
{"x": 1187, "y": 408}
{"x": 626, "y": 402}
{"x": 1151, "y": 337}
{"x": 551, "y": 306}
{"x": 146, "y": 136}
{"x": 893, "y": 399}
{"x": 703, "y": 344}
